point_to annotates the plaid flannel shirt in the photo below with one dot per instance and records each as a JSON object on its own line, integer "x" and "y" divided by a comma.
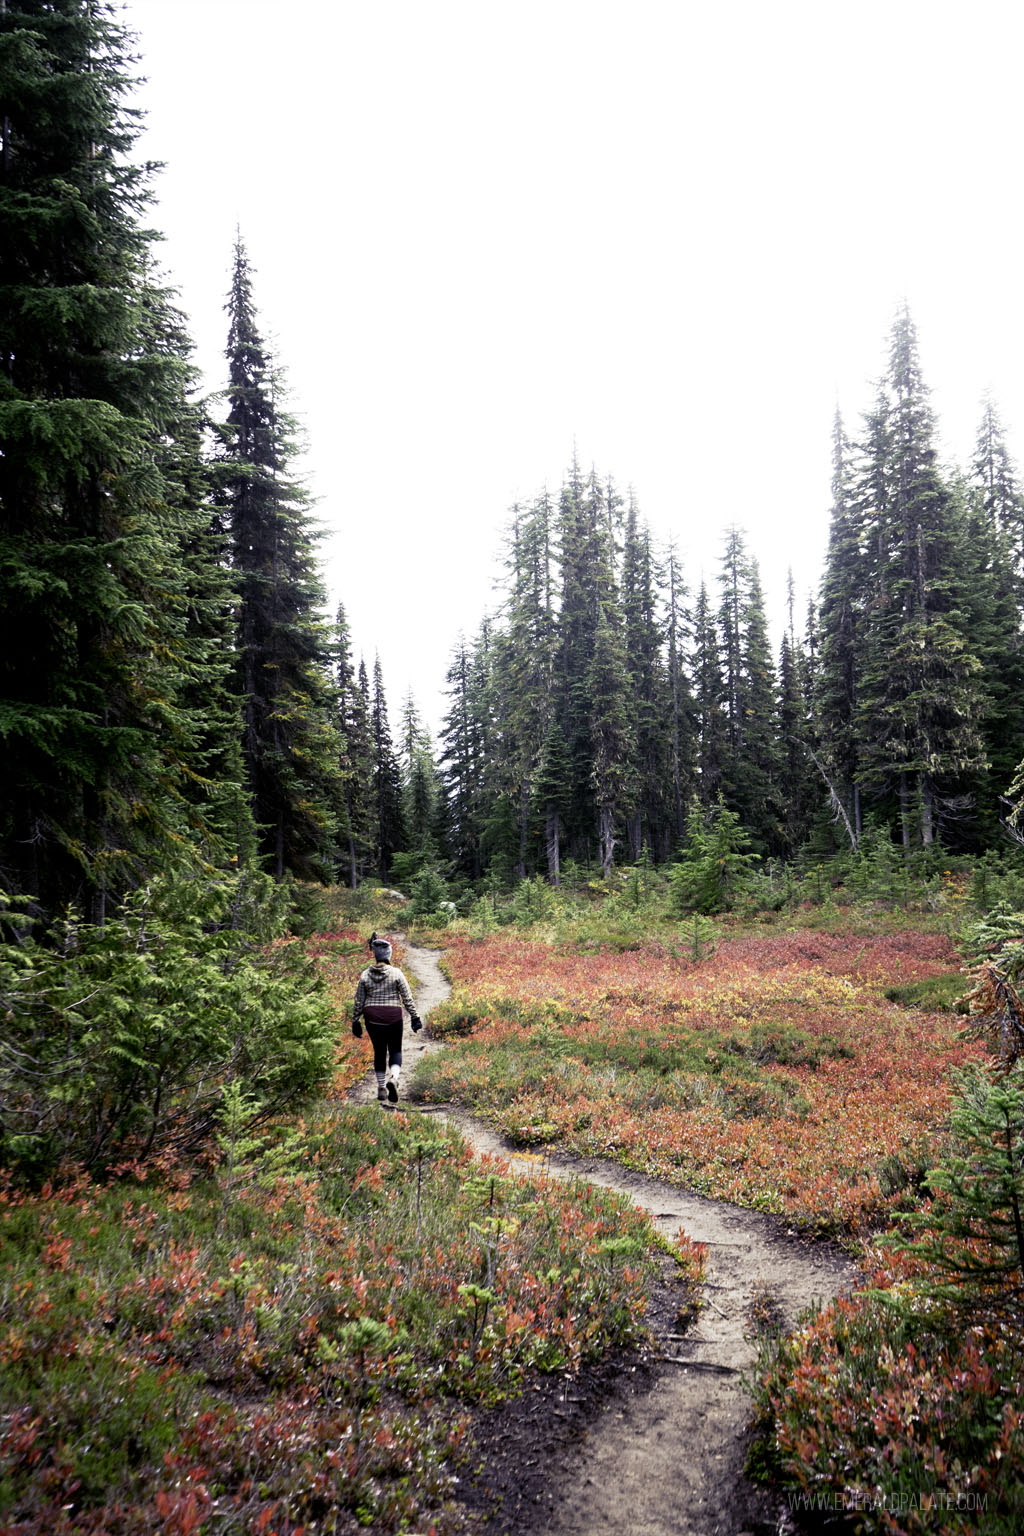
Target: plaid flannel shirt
{"x": 382, "y": 986}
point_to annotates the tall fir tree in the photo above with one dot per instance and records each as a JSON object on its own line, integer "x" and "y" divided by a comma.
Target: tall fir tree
{"x": 614, "y": 769}
{"x": 613, "y": 774}
{"x": 994, "y": 476}
{"x": 552, "y": 793}
{"x": 387, "y": 780}
{"x": 523, "y": 669}
{"x": 590, "y": 677}
{"x": 709, "y": 702}
{"x": 682, "y": 710}
{"x": 465, "y": 750}
{"x": 760, "y": 793}
{"x": 841, "y": 618}
{"x": 649, "y": 811}
{"x": 995, "y": 607}
{"x": 420, "y": 787}
{"x": 732, "y": 583}
{"x": 289, "y": 740}
{"x": 750, "y": 776}
{"x": 992, "y": 620}
{"x": 580, "y": 530}
{"x": 798, "y": 803}
{"x": 111, "y": 663}
{"x": 919, "y": 703}
{"x": 356, "y": 822}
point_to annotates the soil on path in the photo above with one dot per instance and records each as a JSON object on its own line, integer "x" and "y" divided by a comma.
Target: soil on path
{"x": 653, "y": 1444}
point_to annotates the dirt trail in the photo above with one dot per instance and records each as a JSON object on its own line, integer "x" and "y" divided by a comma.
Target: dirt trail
{"x": 667, "y": 1459}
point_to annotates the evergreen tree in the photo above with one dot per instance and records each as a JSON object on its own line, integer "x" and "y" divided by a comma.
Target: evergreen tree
{"x": 994, "y": 475}
{"x": 709, "y": 702}
{"x": 918, "y": 700}
{"x": 581, "y": 531}
{"x": 111, "y": 675}
{"x": 613, "y": 772}
{"x": 798, "y": 803}
{"x": 290, "y": 742}
{"x": 1015, "y": 797}
{"x": 591, "y": 682}
{"x": 812, "y": 656}
{"x": 649, "y": 703}
{"x": 841, "y": 618}
{"x": 995, "y": 607}
{"x": 216, "y": 792}
{"x": 523, "y": 669}
{"x": 387, "y": 780}
{"x": 682, "y": 737}
{"x": 732, "y": 582}
{"x": 552, "y": 796}
{"x": 714, "y": 862}
{"x": 356, "y": 820}
{"x": 420, "y": 789}
{"x": 751, "y": 771}
{"x": 465, "y": 734}
{"x": 972, "y": 1247}
{"x": 991, "y": 619}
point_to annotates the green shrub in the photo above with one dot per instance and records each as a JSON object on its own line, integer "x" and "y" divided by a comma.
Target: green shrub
{"x": 121, "y": 1039}
{"x": 308, "y": 912}
{"x": 715, "y": 863}
{"x": 997, "y": 880}
{"x": 878, "y": 872}
{"x": 533, "y": 901}
{"x": 935, "y": 994}
{"x": 108, "y": 1421}
{"x": 428, "y": 894}
{"x": 995, "y": 945}
{"x": 972, "y": 1245}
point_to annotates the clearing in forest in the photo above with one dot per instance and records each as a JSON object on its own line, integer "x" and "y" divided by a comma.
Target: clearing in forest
{"x": 774, "y": 1073}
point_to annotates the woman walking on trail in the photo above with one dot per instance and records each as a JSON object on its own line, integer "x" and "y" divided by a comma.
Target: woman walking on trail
{"x": 379, "y": 997}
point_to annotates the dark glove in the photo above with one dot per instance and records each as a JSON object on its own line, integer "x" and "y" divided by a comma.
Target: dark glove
{"x": 357, "y": 1029}
{"x": 417, "y": 1024}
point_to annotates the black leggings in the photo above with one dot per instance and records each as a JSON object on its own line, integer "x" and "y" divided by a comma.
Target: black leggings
{"x": 387, "y": 1045}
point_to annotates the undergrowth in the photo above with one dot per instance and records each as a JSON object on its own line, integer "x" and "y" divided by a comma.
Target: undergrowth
{"x": 772, "y": 1071}
{"x": 900, "y": 1405}
{"x": 290, "y": 1332}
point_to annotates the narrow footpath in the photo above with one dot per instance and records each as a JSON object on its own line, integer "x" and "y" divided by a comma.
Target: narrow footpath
{"x": 667, "y": 1460}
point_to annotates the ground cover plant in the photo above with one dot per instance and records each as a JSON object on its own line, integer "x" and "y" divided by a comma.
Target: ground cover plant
{"x": 289, "y": 1332}
{"x": 772, "y": 1071}
{"x": 122, "y": 1035}
{"x": 900, "y": 1405}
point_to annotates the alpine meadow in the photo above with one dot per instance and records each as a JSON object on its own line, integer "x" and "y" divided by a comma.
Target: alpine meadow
{"x": 718, "y": 912}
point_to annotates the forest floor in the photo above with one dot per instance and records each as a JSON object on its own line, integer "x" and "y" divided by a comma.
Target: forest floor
{"x": 654, "y": 1442}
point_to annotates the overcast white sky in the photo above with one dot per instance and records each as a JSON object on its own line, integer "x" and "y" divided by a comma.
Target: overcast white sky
{"x": 674, "y": 234}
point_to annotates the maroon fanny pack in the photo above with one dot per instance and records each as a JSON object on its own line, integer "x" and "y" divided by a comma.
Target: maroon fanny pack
{"x": 382, "y": 1013}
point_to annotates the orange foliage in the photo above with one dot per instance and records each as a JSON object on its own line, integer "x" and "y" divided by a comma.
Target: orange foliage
{"x": 829, "y": 1130}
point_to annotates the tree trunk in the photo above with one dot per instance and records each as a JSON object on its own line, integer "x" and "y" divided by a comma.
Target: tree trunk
{"x": 905, "y": 812}
{"x": 552, "y": 837}
{"x": 634, "y": 829}
{"x": 606, "y": 838}
{"x": 927, "y": 813}
{"x": 836, "y": 800}
{"x": 524, "y": 821}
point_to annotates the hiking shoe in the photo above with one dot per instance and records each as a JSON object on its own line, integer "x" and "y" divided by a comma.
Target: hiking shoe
{"x": 392, "y": 1090}
{"x": 382, "y": 1094}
